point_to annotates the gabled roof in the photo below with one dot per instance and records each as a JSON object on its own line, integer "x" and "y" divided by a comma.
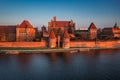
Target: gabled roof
{"x": 25, "y": 24}
{"x": 66, "y": 35}
{"x": 92, "y": 26}
{"x": 52, "y": 35}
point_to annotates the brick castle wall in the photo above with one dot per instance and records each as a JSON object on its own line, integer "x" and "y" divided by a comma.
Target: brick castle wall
{"x": 101, "y": 44}
{"x": 23, "y": 44}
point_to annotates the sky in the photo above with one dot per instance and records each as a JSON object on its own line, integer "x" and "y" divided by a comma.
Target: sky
{"x": 104, "y": 13}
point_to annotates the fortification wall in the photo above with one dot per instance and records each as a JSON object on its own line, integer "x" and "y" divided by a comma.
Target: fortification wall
{"x": 23, "y": 44}
{"x": 101, "y": 44}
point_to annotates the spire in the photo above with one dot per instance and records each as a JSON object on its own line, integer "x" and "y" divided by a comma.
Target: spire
{"x": 52, "y": 34}
{"x": 115, "y": 26}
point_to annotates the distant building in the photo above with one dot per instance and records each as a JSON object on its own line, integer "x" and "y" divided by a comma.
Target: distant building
{"x": 60, "y": 26}
{"x": 111, "y": 32}
{"x": 116, "y": 31}
{"x": 25, "y": 32}
{"x": 22, "y": 32}
{"x": 92, "y": 31}
{"x": 58, "y": 34}
{"x": 82, "y": 33}
{"x": 87, "y": 33}
{"x": 44, "y": 32}
{"x": 107, "y": 33}
{"x": 7, "y": 33}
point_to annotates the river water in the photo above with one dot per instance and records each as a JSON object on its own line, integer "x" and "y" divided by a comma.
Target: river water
{"x": 91, "y": 65}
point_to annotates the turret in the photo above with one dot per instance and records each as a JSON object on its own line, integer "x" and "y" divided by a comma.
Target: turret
{"x": 92, "y": 31}
{"x": 54, "y": 18}
{"x": 66, "y": 40}
{"x": 52, "y": 39}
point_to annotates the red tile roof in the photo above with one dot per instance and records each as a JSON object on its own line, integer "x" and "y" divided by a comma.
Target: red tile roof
{"x": 92, "y": 26}
{"x": 62, "y": 23}
{"x": 52, "y": 35}
{"x": 25, "y": 24}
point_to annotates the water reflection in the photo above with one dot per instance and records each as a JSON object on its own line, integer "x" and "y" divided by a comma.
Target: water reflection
{"x": 89, "y": 65}
{"x": 24, "y": 60}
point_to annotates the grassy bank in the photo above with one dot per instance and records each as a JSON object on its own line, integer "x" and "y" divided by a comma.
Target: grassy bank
{"x": 48, "y": 50}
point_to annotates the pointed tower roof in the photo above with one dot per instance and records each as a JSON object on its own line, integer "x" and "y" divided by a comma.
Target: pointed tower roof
{"x": 52, "y": 34}
{"x": 92, "y": 26}
{"x": 115, "y": 26}
{"x": 66, "y": 35}
{"x": 25, "y": 24}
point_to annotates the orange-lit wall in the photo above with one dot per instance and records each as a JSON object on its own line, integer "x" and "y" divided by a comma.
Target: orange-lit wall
{"x": 29, "y": 34}
{"x": 23, "y": 44}
{"x": 101, "y": 44}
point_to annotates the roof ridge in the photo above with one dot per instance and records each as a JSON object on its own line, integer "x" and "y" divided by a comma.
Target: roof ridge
{"x": 25, "y": 24}
{"x": 92, "y": 26}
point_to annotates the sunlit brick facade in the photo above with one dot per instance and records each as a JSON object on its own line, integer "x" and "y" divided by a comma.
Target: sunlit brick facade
{"x": 60, "y": 26}
{"x": 52, "y": 39}
{"x": 25, "y": 32}
{"x": 92, "y": 31}
{"x": 22, "y": 32}
{"x": 7, "y": 33}
{"x": 66, "y": 40}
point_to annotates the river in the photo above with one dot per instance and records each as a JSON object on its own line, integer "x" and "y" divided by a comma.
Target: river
{"x": 89, "y": 65}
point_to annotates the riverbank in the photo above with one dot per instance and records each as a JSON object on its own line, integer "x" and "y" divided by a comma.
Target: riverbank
{"x": 48, "y": 50}
{"x": 36, "y": 50}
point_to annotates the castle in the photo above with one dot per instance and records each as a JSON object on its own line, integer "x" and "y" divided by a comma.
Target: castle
{"x": 23, "y": 32}
{"x": 58, "y": 34}
{"x": 60, "y": 26}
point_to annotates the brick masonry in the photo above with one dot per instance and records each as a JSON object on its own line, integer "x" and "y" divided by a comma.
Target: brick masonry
{"x": 23, "y": 44}
{"x": 101, "y": 44}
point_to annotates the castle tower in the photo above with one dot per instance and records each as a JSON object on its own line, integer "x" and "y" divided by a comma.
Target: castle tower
{"x": 54, "y": 18}
{"x": 66, "y": 40}
{"x": 52, "y": 39}
{"x": 92, "y": 31}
